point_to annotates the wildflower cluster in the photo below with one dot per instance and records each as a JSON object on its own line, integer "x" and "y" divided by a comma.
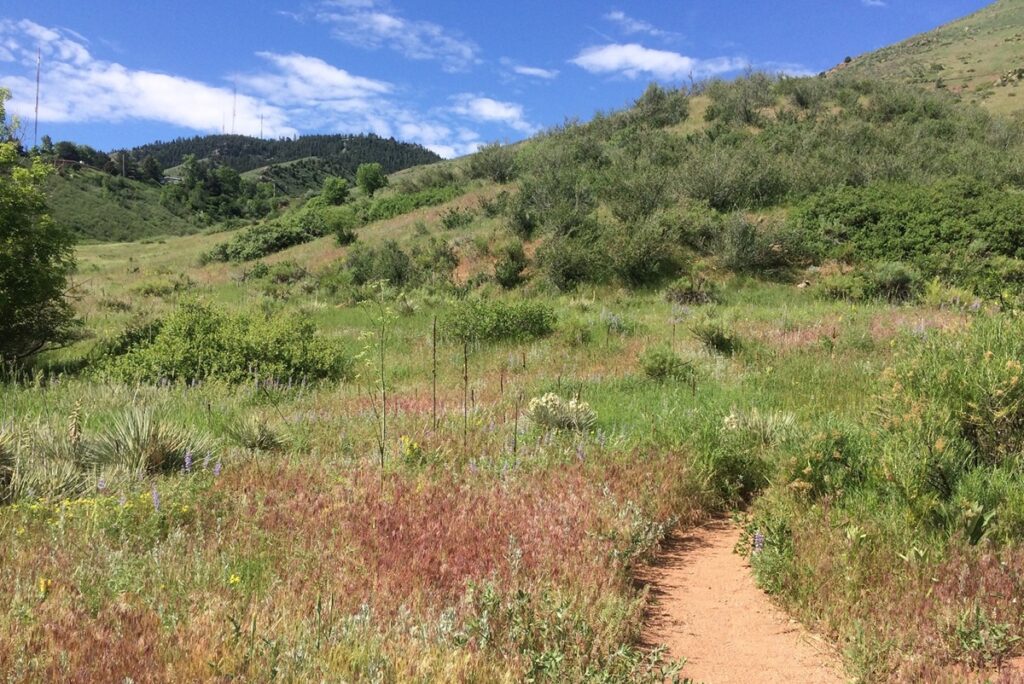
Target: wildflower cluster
{"x": 552, "y": 411}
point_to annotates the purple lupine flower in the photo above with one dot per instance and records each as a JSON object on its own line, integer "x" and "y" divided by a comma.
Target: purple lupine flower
{"x": 156, "y": 499}
{"x": 206, "y": 460}
{"x": 216, "y": 469}
{"x": 758, "y": 542}
{"x": 581, "y": 452}
{"x": 101, "y": 485}
{"x": 188, "y": 461}
{"x": 123, "y": 500}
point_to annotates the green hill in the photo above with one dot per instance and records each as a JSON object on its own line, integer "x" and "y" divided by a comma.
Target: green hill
{"x": 980, "y": 57}
{"x": 104, "y": 208}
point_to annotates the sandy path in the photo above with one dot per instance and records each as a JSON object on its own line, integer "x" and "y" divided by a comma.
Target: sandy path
{"x": 708, "y": 610}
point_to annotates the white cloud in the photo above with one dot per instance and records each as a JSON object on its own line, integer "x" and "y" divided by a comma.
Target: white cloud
{"x": 630, "y": 26}
{"x": 633, "y": 60}
{"x": 292, "y": 92}
{"x": 489, "y": 110}
{"x": 77, "y": 87}
{"x": 372, "y": 24}
{"x": 874, "y": 3}
{"x": 536, "y": 72}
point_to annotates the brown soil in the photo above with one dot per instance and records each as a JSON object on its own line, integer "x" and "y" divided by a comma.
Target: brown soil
{"x": 707, "y": 609}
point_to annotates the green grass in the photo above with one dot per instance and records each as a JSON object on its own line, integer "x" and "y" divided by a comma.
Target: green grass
{"x": 103, "y": 208}
{"x": 969, "y": 56}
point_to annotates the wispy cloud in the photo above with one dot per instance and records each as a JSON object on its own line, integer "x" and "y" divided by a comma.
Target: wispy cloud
{"x": 286, "y": 95}
{"x": 632, "y": 26}
{"x": 373, "y": 24}
{"x": 633, "y": 61}
{"x": 874, "y": 3}
{"x": 488, "y": 110}
{"x": 536, "y": 72}
{"x": 77, "y": 87}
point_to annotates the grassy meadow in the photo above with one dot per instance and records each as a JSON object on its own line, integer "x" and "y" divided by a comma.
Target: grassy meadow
{"x": 438, "y": 446}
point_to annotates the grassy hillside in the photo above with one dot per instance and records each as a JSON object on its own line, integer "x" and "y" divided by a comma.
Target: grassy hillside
{"x": 436, "y": 434}
{"x": 105, "y": 208}
{"x": 980, "y": 57}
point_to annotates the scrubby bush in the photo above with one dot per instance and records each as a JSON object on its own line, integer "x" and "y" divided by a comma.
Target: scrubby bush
{"x": 335, "y": 190}
{"x": 766, "y": 249}
{"x": 567, "y": 262}
{"x": 717, "y": 337}
{"x": 644, "y": 254}
{"x": 692, "y": 290}
{"x": 495, "y": 162}
{"x": 434, "y": 262}
{"x": 198, "y": 341}
{"x": 661, "y": 364}
{"x": 481, "y": 320}
{"x": 894, "y": 281}
{"x": 510, "y": 264}
{"x": 387, "y": 262}
{"x": 456, "y": 217}
{"x": 552, "y": 412}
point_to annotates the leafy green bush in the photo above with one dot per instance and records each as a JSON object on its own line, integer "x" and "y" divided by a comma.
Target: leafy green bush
{"x": 198, "y": 341}
{"x": 495, "y": 162}
{"x": 481, "y": 320}
{"x": 567, "y": 262}
{"x": 643, "y": 254}
{"x": 335, "y": 190}
{"x": 387, "y": 262}
{"x": 510, "y": 264}
{"x": 965, "y": 387}
{"x": 894, "y": 281}
{"x": 717, "y": 337}
{"x": 690, "y": 290}
{"x": 384, "y": 208}
{"x": 456, "y": 217}
{"x": 661, "y": 364}
{"x": 553, "y": 412}
{"x": 765, "y": 249}
{"x": 950, "y": 229}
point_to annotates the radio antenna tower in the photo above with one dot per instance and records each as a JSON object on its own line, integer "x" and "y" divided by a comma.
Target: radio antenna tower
{"x": 35, "y": 127}
{"x": 234, "y": 107}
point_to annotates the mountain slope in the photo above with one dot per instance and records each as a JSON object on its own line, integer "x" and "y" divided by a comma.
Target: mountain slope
{"x": 99, "y": 207}
{"x": 344, "y": 153}
{"x": 980, "y": 57}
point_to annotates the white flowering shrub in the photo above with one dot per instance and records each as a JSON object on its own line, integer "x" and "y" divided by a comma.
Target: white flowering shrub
{"x": 552, "y": 411}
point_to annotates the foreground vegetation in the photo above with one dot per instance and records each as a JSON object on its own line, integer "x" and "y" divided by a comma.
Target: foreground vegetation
{"x": 430, "y": 432}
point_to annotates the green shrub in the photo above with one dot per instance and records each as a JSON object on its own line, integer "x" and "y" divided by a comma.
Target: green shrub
{"x": 384, "y": 208}
{"x": 661, "y": 364}
{"x": 691, "y": 290}
{"x": 765, "y": 249}
{"x": 849, "y": 287}
{"x": 198, "y": 341}
{"x": 553, "y": 412}
{"x": 894, "y": 281}
{"x": 480, "y": 320}
{"x": 965, "y": 387}
{"x": 456, "y": 217}
{"x": 335, "y": 190}
{"x": 643, "y": 254}
{"x": 495, "y": 162}
{"x": 510, "y": 264}
{"x": 387, "y": 262}
{"x": 717, "y": 337}
{"x": 567, "y": 262}
{"x": 435, "y": 262}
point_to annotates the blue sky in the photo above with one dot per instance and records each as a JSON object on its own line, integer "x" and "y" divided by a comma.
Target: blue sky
{"x": 450, "y": 75}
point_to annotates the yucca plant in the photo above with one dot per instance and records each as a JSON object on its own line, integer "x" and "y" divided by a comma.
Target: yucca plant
{"x": 256, "y": 434}
{"x": 142, "y": 443}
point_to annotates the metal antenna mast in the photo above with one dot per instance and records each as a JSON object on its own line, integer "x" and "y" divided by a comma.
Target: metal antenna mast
{"x": 234, "y": 107}
{"x": 35, "y": 128}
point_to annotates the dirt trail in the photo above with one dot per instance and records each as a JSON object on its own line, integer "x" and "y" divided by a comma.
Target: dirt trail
{"x": 708, "y": 610}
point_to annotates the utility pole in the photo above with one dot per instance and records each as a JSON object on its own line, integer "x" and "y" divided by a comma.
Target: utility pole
{"x": 234, "y": 107}
{"x": 35, "y": 128}
{"x": 261, "y": 125}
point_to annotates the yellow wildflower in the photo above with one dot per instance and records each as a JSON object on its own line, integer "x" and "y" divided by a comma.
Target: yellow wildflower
{"x": 45, "y": 584}
{"x": 234, "y": 579}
